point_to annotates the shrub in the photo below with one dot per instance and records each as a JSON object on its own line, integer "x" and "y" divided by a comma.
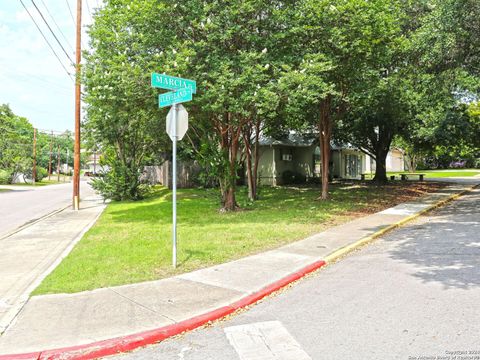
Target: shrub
{"x": 476, "y": 164}
{"x": 41, "y": 173}
{"x": 314, "y": 180}
{"x": 460, "y": 164}
{"x": 292, "y": 177}
{"x": 5, "y": 177}
{"x": 120, "y": 183}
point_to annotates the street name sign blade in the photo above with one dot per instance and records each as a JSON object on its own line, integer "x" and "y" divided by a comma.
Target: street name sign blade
{"x": 163, "y": 81}
{"x": 174, "y": 97}
{"x": 182, "y": 122}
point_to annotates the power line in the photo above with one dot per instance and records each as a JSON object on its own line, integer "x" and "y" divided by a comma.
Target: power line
{"x": 71, "y": 15}
{"x": 58, "y": 27}
{"x": 53, "y": 33}
{"x": 70, "y": 11}
{"x": 88, "y": 8}
{"x": 31, "y": 77}
{"x": 49, "y": 131}
{"x": 49, "y": 45}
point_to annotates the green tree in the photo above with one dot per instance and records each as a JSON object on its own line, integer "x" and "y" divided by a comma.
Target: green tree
{"x": 450, "y": 36}
{"x": 16, "y": 144}
{"x": 403, "y": 96}
{"x": 232, "y": 48}
{"x": 336, "y": 48}
{"x": 122, "y": 114}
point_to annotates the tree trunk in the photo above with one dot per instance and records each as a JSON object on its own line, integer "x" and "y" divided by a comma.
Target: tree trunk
{"x": 256, "y": 159}
{"x": 325, "y": 130}
{"x": 381, "y": 167}
{"x": 412, "y": 162}
{"x": 230, "y": 136}
{"x": 230, "y": 202}
{"x": 247, "y": 135}
{"x": 383, "y": 141}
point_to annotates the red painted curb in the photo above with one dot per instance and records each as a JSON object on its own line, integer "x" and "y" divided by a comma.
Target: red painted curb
{"x": 253, "y": 298}
{"x": 131, "y": 342}
{"x": 30, "y": 356}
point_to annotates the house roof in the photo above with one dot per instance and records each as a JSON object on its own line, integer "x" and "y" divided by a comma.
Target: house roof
{"x": 295, "y": 140}
{"x": 300, "y": 140}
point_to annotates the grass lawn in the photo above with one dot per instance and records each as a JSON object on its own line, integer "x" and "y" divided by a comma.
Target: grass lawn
{"x": 53, "y": 181}
{"x": 44, "y": 182}
{"x": 450, "y": 173}
{"x": 437, "y": 173}
{"x": 131, "y": 242}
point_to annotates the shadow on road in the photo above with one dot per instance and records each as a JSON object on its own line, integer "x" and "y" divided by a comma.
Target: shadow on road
{"x": 445, "y": 246}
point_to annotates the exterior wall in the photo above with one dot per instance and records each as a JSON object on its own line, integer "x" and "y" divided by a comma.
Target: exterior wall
{"x": 271, "y": 165}
{"x": 337, "y": 164}
{"x": 395, "y": 161}
{"x": 266, "y": 166}
{"x": 303, "y": 159}
{"x": 284, "y": 165}
{"x": 369, "y": 164}
{"x": 341, "y": 163}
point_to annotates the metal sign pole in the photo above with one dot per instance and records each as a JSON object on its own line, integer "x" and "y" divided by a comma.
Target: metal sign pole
{"x": 174, "y": 186}
{"x": 182, "y": 92}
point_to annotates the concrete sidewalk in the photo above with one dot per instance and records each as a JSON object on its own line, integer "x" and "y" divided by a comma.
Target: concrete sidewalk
{"x": 22, "y": 205}
{"x": 33, "y": 251}
{"x": 157, "y": 307}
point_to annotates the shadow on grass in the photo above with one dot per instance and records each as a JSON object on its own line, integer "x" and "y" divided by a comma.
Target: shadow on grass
{"x": 201, "y": 207}
{"x": 192, "y": 254}
{"x": 446, "y": 249}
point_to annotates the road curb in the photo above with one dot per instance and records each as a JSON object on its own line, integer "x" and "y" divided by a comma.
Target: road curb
{"x": 334, "y": 256}
{"x": 131, "y": 342}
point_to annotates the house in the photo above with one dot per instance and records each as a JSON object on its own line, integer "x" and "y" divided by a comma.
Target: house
{"x": 300, "y": 155}
{"x": 395, "y": 161}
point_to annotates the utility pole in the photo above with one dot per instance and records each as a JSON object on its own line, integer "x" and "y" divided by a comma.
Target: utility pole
{"x": 34, "y": 170}
{"x": 50, "y": 161}
{"x": 76, "y": 160}
{"x": 58, "y": 162}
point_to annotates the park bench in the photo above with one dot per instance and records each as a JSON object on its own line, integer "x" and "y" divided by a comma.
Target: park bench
{"x": 405, "y": 176}
{"x": 362, "y": 177}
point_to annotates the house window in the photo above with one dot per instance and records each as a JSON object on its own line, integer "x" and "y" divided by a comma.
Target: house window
{"x": 286, "y": 154}
{"x": 353, "y": 166}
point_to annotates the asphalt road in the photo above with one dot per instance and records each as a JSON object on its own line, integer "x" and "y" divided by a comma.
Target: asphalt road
{"x": 26, "y": 204}
{"x": 413, "y": 294}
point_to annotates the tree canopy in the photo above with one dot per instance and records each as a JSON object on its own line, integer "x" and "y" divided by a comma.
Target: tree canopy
{"x": 363, "y": 72}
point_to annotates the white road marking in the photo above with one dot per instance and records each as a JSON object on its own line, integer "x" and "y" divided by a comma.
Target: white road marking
{"x": 265, "y": 341}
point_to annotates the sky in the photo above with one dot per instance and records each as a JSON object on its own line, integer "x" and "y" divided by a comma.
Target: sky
{"x": 33, "y": 82}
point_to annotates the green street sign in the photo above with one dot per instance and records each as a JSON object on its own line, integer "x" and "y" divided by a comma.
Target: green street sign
{"x": 175, "y": 97}
{"x": 163, "y": 81}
